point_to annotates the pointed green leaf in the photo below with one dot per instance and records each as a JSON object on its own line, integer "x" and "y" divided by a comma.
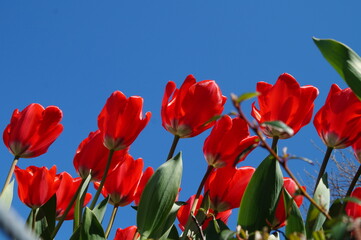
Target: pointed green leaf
{"x": 173, "y": 234}
{"x": 315, "y": 218}
{"x": 244, "y": 96}
{"x": 77, "y": 208}
{"x": 169, "y": 222}
{"x": 227, "y": 235}
{"x": 214, "y": 229}
{"x": 48, "y": 211}
{"x": 344, "y": 60}
{"x": 100, "y": 209}
{"x": 294, "y": 220}
{"x": 158, "y": 197}
{"x": 91, "y": 229}
{"x": 76, "y": 234}
{"x": 261, "y": 196}
{"x": 7, "y": 196}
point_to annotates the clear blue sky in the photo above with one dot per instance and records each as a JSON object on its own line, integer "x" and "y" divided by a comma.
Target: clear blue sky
{"x": 75, "y": 54}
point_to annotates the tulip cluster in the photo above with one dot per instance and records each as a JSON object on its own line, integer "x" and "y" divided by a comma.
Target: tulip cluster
{"x": 104, "y": 158}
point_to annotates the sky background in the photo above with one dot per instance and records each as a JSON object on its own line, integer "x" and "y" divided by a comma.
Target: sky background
{"x": 74, "y": 54}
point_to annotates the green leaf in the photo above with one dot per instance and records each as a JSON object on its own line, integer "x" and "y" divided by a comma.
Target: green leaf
{"x": 214, "y": 229}
{"x": 344, "y": 60}
{"x": 100, "y": 209}
{"x": 294, "y": 220}
{"x": 78, "y": 208}
{"x": 278, "y": 128}
{"x": 315, "y": 218}
{"x": 48, "y": 211}
{"x": 158, "y": 198}
{"x": 173, "y": 234}
{"x": 164, "y": 232}
{"x": 227, "y": 235}
{"x": 7, "y": 196}
{"x": 244, "y": 96}
{"x": 91, "y": 229}
{"x": 261, "y": 196}
{"x": 76, "y": 234}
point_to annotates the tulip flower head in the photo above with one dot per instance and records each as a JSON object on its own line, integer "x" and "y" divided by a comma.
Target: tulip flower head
{"x": 92, "y": 156}
{"x": 33, "y": 130}
{"x": 121, "y": 120}
{"x": 122, "y": 183}
{"x": 36, "y": 185}
{"x": 226, "y": 187}
{"x": 192, "y": 107}
{"x": 353, "y": 209}
{"x": 285, "y": 101}
{"x": 67, "y": 189}
{"x": 185, "y": 210}
{"x": 228, "y": 139}
{"x": 126, "y": 233}
{"x": 338, "y": 121}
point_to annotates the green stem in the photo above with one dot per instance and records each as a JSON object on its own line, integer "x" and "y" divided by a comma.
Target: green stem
{"x": 68, "y": 208}
{"x": 274, "y": 142}
{"x": 10, "y": 173}
{"x": 95, "y": 199}
{"x": 354, "y": 181}
{"x": 196, "y": 199}
{"x": 33, "y": 216}
{"x": 323, "y": 166}
{"x": 172, "y": 148}
{"x": 111, "y": 221}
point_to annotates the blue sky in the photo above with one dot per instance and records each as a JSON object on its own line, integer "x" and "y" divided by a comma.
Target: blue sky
{"x": 75, "y": 54}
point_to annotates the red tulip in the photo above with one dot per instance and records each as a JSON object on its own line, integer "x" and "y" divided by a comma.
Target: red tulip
{"x": 121, "y": 120}
{"x": 92, "y": 156}
{"x": 228, "y": 139}
{"x": 285, "y": 101}
{"x": 353, "y": 209}
{"x": 143, "y": 181}
{"x": 36, "y": 185}
{"x": 121, "y": 184}
{"x": 126, "y": 233}
{"x": 338, "y": 120}
{"x": 192, "y": 107}
{"x": 226, "y": 187}
{"x": 184, "y": 211}
{"x": 33, "y": 130}
{"x": 67, "y": 189}
{"x": 281, "y": 214}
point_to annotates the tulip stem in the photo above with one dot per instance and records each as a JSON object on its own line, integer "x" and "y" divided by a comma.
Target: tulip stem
{"x": 96, "y": 196}
{"x": 282, "y": 161}
{"x": 68, "y": 208}
{"x": 274, "y": 142}
{"x": 323, "y": 166}
{"x": 33, "y": 216}
{"x": 10, "y": 174}
{"x": 354, "y": 181}
{"x": 111, "y": 221}
{"x": 172, "y": 148}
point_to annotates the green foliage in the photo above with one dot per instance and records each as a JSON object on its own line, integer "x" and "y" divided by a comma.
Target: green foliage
{"x": 294, "y": 218}
{"x": 7, "y": 195}
{"x": 315, "y": 218}
{"x": 344, "y": 60}
{"x": 158, "y": 198}
{"x": 261, "y": 196}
